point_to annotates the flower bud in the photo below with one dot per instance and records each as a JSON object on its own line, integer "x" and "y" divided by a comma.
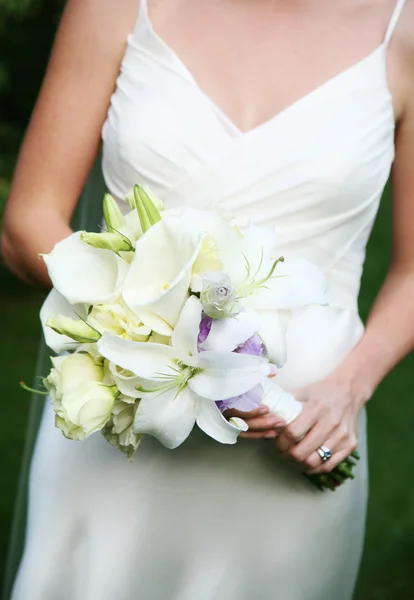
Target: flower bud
{"x": 78, "y": 330}
{"x": 146, "y": 207}
{"x": 218, "y": 296}
{"x": 113, "y": 216}
{"x": 107, "y": 241}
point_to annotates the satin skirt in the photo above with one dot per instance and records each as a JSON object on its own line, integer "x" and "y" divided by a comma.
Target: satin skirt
{"x": 202, "y": 522}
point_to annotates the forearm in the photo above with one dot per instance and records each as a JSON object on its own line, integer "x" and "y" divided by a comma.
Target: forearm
{"x": 25, "y": 238}
{"x": 389, "y": 336}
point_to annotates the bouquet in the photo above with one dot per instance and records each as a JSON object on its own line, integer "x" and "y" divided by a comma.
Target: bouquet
{"x": 167, "y": 318}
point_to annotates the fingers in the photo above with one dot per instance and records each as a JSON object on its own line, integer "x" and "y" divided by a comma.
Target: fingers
{"x": 304, "y": 451}
{"x": 262, "y": 424}
{"x": 339, "y": 453}
{"x": 270, "y": 434}
{"x": 232, "y": 412}
{"x": 266, "y": 427}
{"x": 298, "y": 428}
{"x": 314, "y": 427}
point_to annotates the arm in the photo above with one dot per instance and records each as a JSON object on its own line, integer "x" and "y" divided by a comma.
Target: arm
{"x": 63, "y": 137}
{"x": 332, "y": 406}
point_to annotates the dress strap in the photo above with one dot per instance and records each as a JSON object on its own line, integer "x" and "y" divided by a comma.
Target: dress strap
{"x": 394, "y": 20}
{"x": 143, "y": 10}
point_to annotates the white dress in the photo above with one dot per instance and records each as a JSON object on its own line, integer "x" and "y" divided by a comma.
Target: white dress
{"x": 211, "y": 522}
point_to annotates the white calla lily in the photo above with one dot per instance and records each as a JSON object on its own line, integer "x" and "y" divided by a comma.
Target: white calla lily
{"x": 211, "y": 421}
{"x": 84, "y": 274}
{"x": 180, "y": 380}
{"x": 158, "y": 280}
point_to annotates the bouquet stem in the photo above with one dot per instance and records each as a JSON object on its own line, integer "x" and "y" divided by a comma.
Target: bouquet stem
{"x": 337, "y": 476}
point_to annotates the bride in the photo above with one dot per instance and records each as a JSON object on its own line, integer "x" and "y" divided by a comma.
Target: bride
{"x": 289, "y": 113}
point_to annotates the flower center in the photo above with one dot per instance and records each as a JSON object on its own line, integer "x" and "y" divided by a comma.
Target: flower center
{"x": 252, "y": 283}
{"x": 178, "y": 379}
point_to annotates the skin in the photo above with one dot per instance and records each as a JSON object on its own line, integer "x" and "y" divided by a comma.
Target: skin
{"x": 266, "y": 36}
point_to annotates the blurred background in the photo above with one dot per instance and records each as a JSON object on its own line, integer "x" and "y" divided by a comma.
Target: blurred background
{"x": 26, "y": 33}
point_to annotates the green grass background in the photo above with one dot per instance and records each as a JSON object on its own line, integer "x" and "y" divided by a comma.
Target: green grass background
{"x": 387, "y": 568}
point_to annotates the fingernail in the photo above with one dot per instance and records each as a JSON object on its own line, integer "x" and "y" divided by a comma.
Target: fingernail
{"x": 271, "y": 435}
{"x": 264, "y": 410}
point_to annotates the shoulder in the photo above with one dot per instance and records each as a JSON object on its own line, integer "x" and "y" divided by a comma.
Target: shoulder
{"x": 404, "y": 31}
{"x": 401, "y": 58}
{"x": 116, "y": 16}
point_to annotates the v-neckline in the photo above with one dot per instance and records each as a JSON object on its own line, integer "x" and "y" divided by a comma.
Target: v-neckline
{"x": 278, "y": 115}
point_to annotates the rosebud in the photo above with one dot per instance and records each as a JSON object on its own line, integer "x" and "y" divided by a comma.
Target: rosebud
{"x": 78, "y": 330}
{"x": 218, "y": 296}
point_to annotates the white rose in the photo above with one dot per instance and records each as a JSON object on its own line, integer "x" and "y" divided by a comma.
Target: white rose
{"x": 119, "y": 431}
{"x": 119, "y": 320}
{"x": 81, "y": 400}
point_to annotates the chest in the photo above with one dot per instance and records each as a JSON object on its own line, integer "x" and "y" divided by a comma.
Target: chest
{"x": 253, "y": 59}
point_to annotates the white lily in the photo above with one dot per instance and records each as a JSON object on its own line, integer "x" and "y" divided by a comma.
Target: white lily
{"x": 182, "y": 384}
{"x": 268, "y": 286}
{"x": 83, "y": 274}
{"x": 157, "y": 283}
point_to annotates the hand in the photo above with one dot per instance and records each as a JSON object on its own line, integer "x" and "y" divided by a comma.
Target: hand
{"x": 329, "y": 417}
{"x": 262, "y": 424}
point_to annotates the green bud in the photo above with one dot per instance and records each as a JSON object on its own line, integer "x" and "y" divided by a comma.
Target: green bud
{"x": 78, "y": 330}
{"x": 148, "y": 213}
{"x": 113, "y": 216}
{"x": 108, "y": 241}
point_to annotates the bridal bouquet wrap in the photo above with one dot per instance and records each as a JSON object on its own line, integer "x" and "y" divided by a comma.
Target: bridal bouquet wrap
{"x": 166, "y": 319}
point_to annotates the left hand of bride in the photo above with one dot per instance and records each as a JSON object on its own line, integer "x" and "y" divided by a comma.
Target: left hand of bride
{"x": 329, "y": 418}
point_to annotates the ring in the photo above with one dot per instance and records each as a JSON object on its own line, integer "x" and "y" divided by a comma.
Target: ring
{"x": 324, "y": 453}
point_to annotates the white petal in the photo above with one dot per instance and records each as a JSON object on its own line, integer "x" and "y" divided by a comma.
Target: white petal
{"x": 145, "y": 360}
{"x": 83, "y": 274}
{"x": 227, "y": 374}
{"x": 184, "y": 338}
{"x": 168, "y": 417}
{"x": 280, "y": 402}
{"x": 228, "y": 334}
{"x": 153, "y": 321}
{"x": 54, "y": 305}
{"x": 273, "y": 326}
{"x": 160, "y": 273}
{"x": 212, "y": 422}
{"x": 132, "y": 229}
{"x": 297, "y": 283}
{"x": 126, "y": 381}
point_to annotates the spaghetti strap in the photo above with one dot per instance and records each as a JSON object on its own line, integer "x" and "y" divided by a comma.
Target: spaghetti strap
{"x": 394, "y": 20}
{"x": 143, "y": 9}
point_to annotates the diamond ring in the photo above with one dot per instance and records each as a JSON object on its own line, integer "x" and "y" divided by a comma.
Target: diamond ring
{"x": 324, "y": 453}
